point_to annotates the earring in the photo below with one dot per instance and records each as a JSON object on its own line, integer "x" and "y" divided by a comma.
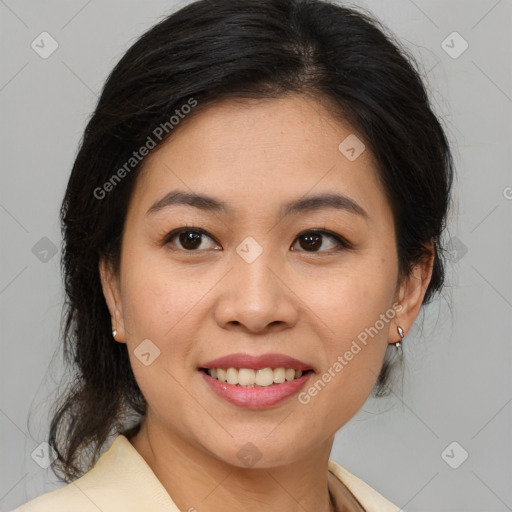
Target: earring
{"x": 114, "y": 333}
{"x": 398, "y": 345}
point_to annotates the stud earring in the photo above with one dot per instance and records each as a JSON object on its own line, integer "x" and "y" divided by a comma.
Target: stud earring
{"x": 398, "y": 344}
{"x": 114, "y": 333}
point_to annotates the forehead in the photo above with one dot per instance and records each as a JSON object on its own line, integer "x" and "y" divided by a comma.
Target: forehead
{"x": 269, "y": 151}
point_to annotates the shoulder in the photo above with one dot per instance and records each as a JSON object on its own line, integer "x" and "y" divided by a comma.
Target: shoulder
{"x": 59, "y": 500}
{"x": 367, "y": 496}
{"x": 120, "y": 481}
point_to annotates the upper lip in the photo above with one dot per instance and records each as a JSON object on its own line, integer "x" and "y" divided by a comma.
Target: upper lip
{"x": 257, "y": 362}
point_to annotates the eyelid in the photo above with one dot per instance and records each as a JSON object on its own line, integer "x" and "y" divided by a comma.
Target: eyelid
{"x": 343, "y": 243}
{"x": 184, "y": 229}
{"x": 341, "y": 240}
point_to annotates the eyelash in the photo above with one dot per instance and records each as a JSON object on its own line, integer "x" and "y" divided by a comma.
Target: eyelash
{"x": 343, "y": 244}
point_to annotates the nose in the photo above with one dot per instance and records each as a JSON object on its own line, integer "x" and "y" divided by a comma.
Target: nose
{"x": 256, "y": 298}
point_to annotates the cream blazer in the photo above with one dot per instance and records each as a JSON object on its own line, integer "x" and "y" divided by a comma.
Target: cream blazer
{"x": 122, "y": 481}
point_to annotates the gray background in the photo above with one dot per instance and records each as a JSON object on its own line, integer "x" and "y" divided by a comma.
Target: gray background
{"x": 457, "y": 385}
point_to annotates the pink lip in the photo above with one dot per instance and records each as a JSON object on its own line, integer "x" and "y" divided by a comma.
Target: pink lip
{"x": 257, "y": 362}
{"x": 255, "y": 398}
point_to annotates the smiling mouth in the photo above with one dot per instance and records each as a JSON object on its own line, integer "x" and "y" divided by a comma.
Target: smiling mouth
{"x": 250, "y": 378}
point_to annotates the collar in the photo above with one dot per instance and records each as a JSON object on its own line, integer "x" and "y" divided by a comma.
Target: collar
{"x": 122, "y": 481}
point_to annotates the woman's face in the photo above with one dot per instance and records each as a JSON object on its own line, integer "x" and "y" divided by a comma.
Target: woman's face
{"x": 256, "y": 280}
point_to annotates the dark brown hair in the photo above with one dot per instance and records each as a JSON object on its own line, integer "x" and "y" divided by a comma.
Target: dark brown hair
{"x": 228, "y": 49}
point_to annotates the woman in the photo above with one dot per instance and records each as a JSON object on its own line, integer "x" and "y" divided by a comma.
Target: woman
{"x": 251, "y": 226}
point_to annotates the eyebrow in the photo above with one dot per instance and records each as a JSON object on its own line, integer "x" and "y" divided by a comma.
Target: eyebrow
{"x": 303, "y": 205}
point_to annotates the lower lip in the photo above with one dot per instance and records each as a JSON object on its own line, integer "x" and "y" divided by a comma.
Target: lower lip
{"x": 256, "y": 398}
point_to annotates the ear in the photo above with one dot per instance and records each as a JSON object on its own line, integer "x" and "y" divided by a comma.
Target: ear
{"x": 111, "y": 291}
{"x": 411, "y": 292}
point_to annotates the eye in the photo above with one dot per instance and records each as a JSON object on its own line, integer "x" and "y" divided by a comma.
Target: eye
{"x": 313, "y": 240}
{"x": 190, "y": 239}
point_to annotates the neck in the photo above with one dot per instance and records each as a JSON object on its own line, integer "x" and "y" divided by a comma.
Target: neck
{"x": 197, "y": 480}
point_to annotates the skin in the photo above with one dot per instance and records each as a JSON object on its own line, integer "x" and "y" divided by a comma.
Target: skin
{"x": 308, "y": 302}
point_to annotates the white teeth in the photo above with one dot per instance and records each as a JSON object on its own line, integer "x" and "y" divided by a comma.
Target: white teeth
{"x": 246, "y": 377}
{"x": 265, "y": 377}
{"x": 250, "y": 378}
{"x": 279, "y": 375}
{"x": 232, "y": 376}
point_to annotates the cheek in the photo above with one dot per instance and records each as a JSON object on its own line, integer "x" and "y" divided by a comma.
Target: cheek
{"x": 352, "y": 307}
{"x": 165, "y": 305}
{"x": 158, "y": 311}
{"x": 156, "y": 297}
{"x": 349, "y": 300}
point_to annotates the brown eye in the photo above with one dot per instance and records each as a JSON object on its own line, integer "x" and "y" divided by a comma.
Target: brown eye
{"x": 189, "y": 239}
{"x": 313, "y": 241}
